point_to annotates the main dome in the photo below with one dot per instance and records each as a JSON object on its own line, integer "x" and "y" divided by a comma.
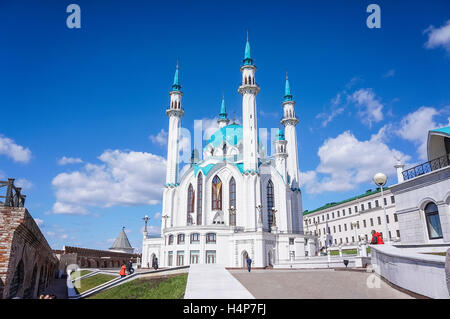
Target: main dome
{"x": 232, "y": 134}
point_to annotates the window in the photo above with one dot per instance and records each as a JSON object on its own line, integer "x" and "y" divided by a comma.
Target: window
{"x": 195, "y": 256}
{"x": 334, "y": 229}
{"x": 339, "y": 228}
{"x": 376, "y": 203}
{"x": 270, "y": 202}
{"x": 345, "y": 227}
{"x": 367, "y": 238}
{"x": 190, "y": 204}
{"x": 291, "y": 241}
{"x": 195, "y": 238}
{"x": 395, "y": 217}
{"x": 328, "y": 216}
{"x": 370, "y": 205}
{"x": 356, "y": 209}
{"x": 232, "y": 204}
{"x": 353, "y": 239}
{"x": 335, "y": 241}
{"x": 340, "y": 240}
{"x": 180, "y": 239}
{"x": 180, "y": 258}
{"x": 216, "y": 197}
{"x": 170, "y": 258}
{"x": 433, "y": 221}
{"x": 385, "y": 201}
{"x": 211, "y": 238}
{"x": 171, "y": 240}
{"x": 199, "y": 197}
{"x": 392, "y": 200}
{"x": 332, "y": 215}
{"x": 346, "y": 240}
{"x": 323, "y": 217}
{"x": 319, "y": 232}
{"x": 371, "y": 222}
{"x": 398, "y": 233}
{"x": 210, "y": 256}
{"x": 387, "y": 219}
{"x": 379, "y": 220}
{"x": 338, "y": 214}
{"x": 364, "y": 223}
{"x": 362, "y": 207}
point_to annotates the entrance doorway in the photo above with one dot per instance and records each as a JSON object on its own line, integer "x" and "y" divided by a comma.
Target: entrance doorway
{"x": 244, "y": 257}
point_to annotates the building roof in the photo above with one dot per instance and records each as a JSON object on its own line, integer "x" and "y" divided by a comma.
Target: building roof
{"x": 333, "y": 204}
{"x": 231, "y": 133}
{"x": 122, "y": 241}
{"x": 445, "y": 130}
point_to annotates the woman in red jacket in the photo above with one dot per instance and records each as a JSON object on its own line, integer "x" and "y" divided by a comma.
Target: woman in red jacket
{"x": 377, "y": 239}
{"x": 123, "y": 272}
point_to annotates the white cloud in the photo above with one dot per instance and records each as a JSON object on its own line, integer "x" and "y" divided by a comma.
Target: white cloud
{"x": 346, "y": 162}
{"x": 389, "y": 74}
{"x": 23, "y": 183}
{"x": 124, "y": 178}
{"x": 17, "y": 152}
{"x": 370, "y": 108}
{"x": 208, "y": 127}
{"x": 69, "y": 160}
{"x": 414, "y": 127}
{"x": 160, "y": 138}
{"x": 438, "y": 37}
{"x": 152, "y": 230}
{"x": 157, "y": 215}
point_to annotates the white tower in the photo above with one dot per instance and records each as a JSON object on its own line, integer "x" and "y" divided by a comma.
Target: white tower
{"x": 289, "y": 121}
{"x": 399, "y": 167}
{"x": 280, "y": 154}
{"x": 174, "y": 112}
{"x": 248, "y": 89}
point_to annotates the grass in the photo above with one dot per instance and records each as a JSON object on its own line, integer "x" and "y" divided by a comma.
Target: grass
{"x": 346, "y": 252}
{"x": 438, "y": 254}
{"x": 91, "y": 282}
{"x": 81, "y": 273}
{"x": 170, "y": 287}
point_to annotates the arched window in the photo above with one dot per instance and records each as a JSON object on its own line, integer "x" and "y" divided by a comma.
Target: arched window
{"x": 190, "y": 204}
{"x": 195, "y": 238}
{"x": 199, "y": 197}
{"x": 17, "y": 281}
{"x": 216, "y": 198}
{"x": 211, "y": 238}
{"x": 180, "y": 239}
{"x": 433, "y": 221}
{"x": 232, "y": 190}
{"x": 270, "y": 202}
{"x": 171, "y": 240}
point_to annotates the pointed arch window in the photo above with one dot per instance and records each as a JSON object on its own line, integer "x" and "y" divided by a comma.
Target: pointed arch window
{"x": 270, "y": 202}
{"x": 232, "y": 190}
{"x": 190, "y": 204}
{"x": 199, "y": 197}
{"x": 433, "y": 221}
{"x": 216, "y": 198}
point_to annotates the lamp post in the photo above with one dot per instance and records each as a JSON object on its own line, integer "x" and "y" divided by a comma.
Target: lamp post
{"x": 380, "y": 180}
{"x": 145, "y": 219}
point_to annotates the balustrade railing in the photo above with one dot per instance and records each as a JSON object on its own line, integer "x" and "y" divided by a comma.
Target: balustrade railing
{"x": 426, "y": 167}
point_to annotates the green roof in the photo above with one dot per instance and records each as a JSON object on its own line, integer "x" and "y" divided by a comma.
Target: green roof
{"x": 445, "y": 130}
{"x": 333, "y": 204}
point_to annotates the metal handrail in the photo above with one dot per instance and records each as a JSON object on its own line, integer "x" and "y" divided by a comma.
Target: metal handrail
{"x": 426, "y": 167}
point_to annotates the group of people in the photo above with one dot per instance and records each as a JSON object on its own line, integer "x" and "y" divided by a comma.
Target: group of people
{"x": 126, "y": 268}
{"x": 47, "y": 296}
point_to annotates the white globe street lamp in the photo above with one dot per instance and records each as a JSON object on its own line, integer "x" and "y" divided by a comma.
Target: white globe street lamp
{"x": 380, "y": 179}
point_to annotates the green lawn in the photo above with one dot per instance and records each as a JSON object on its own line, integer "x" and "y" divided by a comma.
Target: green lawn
{"x": 148, "y": 288}
{"x": 438, "y": 254}
{"x": 91, "y": 282}
{"x": 347, "y": 252}
{"x": 81, "y": 273}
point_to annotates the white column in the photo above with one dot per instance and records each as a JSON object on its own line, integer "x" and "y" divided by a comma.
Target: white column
{"x": 399, "y": 168}
{"x": 292, "y": 160}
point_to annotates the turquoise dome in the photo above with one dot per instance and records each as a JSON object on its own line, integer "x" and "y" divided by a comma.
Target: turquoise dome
{"x": 231, "y": 133}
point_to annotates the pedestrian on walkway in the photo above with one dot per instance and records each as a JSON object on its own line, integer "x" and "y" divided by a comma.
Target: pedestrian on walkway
{"x": 123, "y": 271}
{"x": 377, "y": 239}
{"x": 130, "y": 267}
{"x": 155, "y": 265}
{"x": 249, "y": 263}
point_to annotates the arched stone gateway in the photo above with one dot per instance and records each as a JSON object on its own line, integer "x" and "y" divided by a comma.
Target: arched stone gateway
{"x": 17, "y": 281}
{"x": 28, "y": 293}
{"x": 244, "y": 256}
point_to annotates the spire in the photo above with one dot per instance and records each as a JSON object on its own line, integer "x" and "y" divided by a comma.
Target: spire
{"x": 280, "y": 135}
{"x": 247, "y": 56}
{"x": 223, "y": 111}
{"x": 287, "y": 90}
{"x": 176, "y": 81}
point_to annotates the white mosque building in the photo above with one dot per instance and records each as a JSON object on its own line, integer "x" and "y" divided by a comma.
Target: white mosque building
{"x": 236, "y": 201}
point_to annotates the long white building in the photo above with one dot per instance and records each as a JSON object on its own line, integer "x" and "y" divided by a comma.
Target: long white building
{"x": 237, "y": 201}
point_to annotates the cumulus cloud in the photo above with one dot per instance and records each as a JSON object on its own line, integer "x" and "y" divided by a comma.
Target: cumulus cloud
{"x": 370, "y": 108}
{"x": 346, "y": 162}
{"x": 17, "y": 152}
{"x": 438, "y": 37}
{"x": 414, "y": 127}
{"x": 23, "y": 183}
{"x": 160, "y": 138}
{"x": 124, "y": 178}
{"x": 69, "y": 160}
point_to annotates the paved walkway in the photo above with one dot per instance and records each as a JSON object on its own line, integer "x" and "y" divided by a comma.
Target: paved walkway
{"x": 57, "y": 287}
{"x": 316, "y": 284}
{"x": 212, "y": 281}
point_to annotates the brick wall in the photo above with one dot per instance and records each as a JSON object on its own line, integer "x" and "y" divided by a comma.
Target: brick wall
{"x": 27, "y": 263}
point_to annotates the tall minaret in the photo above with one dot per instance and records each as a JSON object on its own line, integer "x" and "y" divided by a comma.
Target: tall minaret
{"x": 174, "y": 112}
{"x": 280, "y": 154}
{"x": 289, "y": 121}
{"x": 223, "y": 116}
{"x": 248, "y": 89}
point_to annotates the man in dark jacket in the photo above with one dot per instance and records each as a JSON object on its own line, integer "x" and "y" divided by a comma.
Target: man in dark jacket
{"x": 249, "y": 264}
{"x": 130, "y": 267}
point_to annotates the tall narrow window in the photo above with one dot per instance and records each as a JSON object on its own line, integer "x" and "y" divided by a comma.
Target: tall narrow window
{"x": 433, "y": 221}
{"x": 190, "y": 204}
{"x": 216, "y": 193}
{"x": 270, "y": 202}
{"x": 232, "y": 190}
{"x": 199, "y": 197}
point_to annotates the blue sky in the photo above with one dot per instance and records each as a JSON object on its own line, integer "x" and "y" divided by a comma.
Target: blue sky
{"x": 97, "y": 95}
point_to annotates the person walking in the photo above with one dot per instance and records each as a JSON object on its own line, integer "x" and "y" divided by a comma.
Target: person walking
{"x": 377, "y": 239}
{"x": 249, "y": 263}
{"x": 130, "y": 267}
{"x": 123, "y": 271}
{"x": 155, "y": 266}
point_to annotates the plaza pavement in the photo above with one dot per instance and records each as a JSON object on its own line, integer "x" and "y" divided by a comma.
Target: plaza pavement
{"x": 213, "y": 281}
{"x": 314, "y": 284}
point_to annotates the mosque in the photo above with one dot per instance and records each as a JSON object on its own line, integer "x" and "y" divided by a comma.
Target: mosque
{"x": 236, "y": 202}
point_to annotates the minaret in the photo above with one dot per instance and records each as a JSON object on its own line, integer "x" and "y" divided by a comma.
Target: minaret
{"x": 280, "y": 154}
{"x": 223, "y": 116}
{"x": 175, "y": 112}
{"x": 248, "y": 89}
{"x": 289, "y": 121}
